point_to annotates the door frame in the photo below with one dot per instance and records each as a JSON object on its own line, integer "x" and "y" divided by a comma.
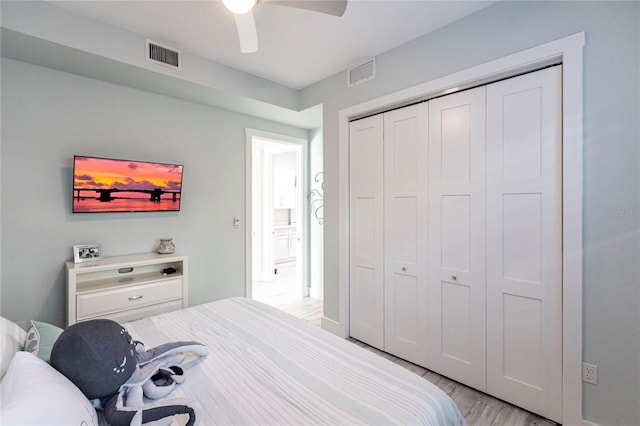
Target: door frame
{"x": 303, "y": 190}
{"x": 569, "y": 51}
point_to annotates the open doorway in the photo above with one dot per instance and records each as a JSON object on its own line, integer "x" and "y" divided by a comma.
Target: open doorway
{"x": 279, "y": 266}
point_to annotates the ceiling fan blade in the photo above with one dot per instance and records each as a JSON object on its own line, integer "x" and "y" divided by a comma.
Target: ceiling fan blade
{"x": 330, "y": 7}
{"x": 247, "y": 33}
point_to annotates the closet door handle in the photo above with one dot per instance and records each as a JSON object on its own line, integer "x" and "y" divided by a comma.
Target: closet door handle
{"x": 453, "y": 277}
{"x": 135, "y": 297}
{"x": 404, "y": 269}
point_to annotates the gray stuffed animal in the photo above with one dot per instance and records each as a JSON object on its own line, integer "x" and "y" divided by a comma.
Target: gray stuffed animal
{"x": 103, "y": 361}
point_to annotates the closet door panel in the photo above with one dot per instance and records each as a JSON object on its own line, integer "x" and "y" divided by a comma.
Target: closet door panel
{"x": 522, "y": 227}
{"x": 403, "y": 301}
{"x": 456, "y": 321}
{"x": 404, "y": 242}
{"x": 405, "y": 195}
{"x": 524, "y": 247}
{"x": 455, "y": 231}
{"x": 454, "y": 123}
{"x": 366, "y": 249}
{"x": 522, "y": 130}
{"x": 522, "y": 336}
{"x": 457, "y": 237}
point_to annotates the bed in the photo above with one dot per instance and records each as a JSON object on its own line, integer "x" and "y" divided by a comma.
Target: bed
{"x": 266, "y": 367}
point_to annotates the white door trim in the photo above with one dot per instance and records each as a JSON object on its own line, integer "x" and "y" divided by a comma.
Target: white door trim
{"x": 302, "y": 191}
{"x": 568, "y": 50}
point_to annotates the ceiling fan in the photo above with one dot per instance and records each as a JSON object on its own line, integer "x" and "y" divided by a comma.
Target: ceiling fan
{"x": 246, "y": 24}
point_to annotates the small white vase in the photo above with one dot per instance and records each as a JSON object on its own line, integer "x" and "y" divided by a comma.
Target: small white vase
{"x": 166, "y": 246}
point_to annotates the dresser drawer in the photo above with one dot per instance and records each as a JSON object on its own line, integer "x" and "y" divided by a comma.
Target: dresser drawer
{"x": 143, "y": 312}
{"x": 100, "y": 303}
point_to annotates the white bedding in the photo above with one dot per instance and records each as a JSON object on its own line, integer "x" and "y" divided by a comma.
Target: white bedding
{"x": 266, "y": 367}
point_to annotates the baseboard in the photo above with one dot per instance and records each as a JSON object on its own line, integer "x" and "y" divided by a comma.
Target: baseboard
{"x": 315, "y": 292}
{"x": 332, "y": 326}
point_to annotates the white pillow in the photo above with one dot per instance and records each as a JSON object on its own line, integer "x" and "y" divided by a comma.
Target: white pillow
{"x": 11, "y": 341}
{"x": 34, "y": 393}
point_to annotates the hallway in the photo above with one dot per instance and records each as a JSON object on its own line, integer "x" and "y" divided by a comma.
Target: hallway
{"x": 284, "y": 294}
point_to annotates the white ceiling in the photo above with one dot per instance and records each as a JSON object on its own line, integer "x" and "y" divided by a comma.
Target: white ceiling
{"x": 297, "y": 47}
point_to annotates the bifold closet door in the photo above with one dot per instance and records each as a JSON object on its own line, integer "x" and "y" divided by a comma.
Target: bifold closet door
{"x": 524, "y": 246}
{"x": 457, "y": 237}
{"x": 366, "y": 239}
{"x": 405, "y": 230}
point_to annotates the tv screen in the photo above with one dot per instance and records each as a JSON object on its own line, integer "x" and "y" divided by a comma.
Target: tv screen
{"x": 102, "y": 185}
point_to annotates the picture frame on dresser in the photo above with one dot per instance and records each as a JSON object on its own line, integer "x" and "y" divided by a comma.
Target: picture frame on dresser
{"x": 86, "y": 253}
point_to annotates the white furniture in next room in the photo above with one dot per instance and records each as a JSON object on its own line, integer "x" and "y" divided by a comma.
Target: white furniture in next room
{"x": 126, "y": 288}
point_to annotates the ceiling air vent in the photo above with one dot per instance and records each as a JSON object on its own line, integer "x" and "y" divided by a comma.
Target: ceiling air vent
{"x": 362, "y": 72}
{"x": 162, "y": 54}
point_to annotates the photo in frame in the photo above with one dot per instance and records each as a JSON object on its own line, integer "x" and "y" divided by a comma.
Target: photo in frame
{"x": 86, "y": 253}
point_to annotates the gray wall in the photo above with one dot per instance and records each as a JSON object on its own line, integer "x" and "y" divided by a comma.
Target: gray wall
{"x": 47, "y": 117}
{"x": 611, "y": 178}
{"x": 316, "y": 228}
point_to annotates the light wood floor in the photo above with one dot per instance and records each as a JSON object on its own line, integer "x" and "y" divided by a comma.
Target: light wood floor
{"x": 478, "y": 409}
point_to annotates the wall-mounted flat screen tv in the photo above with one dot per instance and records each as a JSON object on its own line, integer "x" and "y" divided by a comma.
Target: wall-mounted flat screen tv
{"x": 102, "y": 185}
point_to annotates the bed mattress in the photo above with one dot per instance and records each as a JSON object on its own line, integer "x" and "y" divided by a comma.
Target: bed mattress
{"x": 266, "y": 367}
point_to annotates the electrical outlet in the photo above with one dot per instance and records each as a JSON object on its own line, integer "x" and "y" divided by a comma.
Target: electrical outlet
{"x": 590, "y": 373}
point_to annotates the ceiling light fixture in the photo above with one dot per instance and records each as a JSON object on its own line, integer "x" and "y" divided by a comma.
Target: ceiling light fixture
{"x": 246, "y": 23}
{"x": 239, "y": 7}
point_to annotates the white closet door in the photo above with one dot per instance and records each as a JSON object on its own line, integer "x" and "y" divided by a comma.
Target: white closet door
{"x": 524, "y": 247}
{"x": 405, "y": 211}
{"x": 366, "y": 251}
{"x": 457, "y": 237}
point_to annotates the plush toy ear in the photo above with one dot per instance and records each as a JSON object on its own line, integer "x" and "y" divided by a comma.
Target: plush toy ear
{"x": 98, "y": 356}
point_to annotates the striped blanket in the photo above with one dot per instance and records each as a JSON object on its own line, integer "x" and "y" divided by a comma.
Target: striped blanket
{"x": 266, "y": 367}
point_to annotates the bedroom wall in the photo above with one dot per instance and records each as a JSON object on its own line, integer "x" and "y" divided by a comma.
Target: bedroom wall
{"x": 47, "y": 117}
{"x": 44, "y": 20}
{"x": 611, "y": 169}
{"x": 316, "y": 228}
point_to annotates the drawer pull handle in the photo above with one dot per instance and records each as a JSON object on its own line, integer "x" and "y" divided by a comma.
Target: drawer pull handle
{"x": 135, "y": 297}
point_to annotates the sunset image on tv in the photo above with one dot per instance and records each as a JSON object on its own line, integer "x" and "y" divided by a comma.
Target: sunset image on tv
{"x": 108, "y": 185}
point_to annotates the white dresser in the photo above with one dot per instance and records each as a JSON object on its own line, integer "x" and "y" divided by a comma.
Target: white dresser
{"x": 125, "y": 288}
